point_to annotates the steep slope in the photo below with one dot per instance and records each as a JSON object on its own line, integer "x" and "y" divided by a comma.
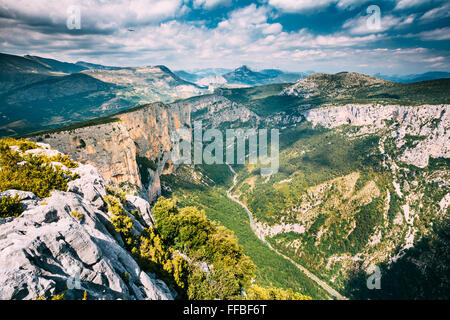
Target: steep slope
{"x": 350, "y": 87}
{"x": 57, "y": 66}
{"x": 36, "y": 97}
{"x": 67, "y": 243}
{"x": 52, "y": 102}
{"x": 83, "y": 239}
{"x": 18, "y": 71}
{"x": 95, "y": 66}
{"x": 132, "y": 147}
{"x": 338, "y": 86}
{"x": 359, "y": 186}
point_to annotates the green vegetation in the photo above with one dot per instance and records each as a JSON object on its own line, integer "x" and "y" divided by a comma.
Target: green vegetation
{"x": 71, "y": 127}
{"x": 260, "y": 293}
{"x": 55, "y": 297}
{"x": 194, "y": 255}
{"x": 181, "y": 233}
{"x": 423, "y": 272}
{"x": 309, "y": 157}
{"x": 189, "y": 231}
{"x": 10, "y": 206}
{"x": 265, "y": 100}
{"x": 23, "y": 144}
{"x": 28, "y": 172}
{"x": 61, "y": 296}
{"x": 77, "y": 215}
{"x": 271, "y": 269}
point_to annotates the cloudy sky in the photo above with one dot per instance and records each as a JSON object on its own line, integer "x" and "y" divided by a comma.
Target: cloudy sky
{"x": 412, "y": 36}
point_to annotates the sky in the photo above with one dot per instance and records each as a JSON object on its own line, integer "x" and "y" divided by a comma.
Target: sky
{"x": 385, "y": 36}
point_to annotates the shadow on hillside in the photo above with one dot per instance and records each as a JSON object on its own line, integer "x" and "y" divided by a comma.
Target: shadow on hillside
{"x": 422, "y": 273}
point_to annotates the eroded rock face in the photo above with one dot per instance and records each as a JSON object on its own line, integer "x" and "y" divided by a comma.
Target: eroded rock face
{"x": 429, "y": 124}
{"x": 67, "y": 241}
{"x": 117, "y": 148}
{"x": 137, "y": 203}
{"x": 214, "y": 110}
{"x": 90, "y": 185}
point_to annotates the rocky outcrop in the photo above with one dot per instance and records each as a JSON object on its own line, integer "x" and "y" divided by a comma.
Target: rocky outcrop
{"x": 426, "y": 127}
{"x": 66, "y": 243}
{"x": 215, "y": 110}
{"x": 134, "y": 149}
{"x": 337, "y": 86}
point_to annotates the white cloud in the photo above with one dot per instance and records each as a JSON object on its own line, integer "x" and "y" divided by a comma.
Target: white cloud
{"x": 407, "y": 4}
{"x": 351, "y": 4}
{"x": 359, "y": 25}
{"x": 95, "y": 14}
{"x": 437, "y": 13}
{"x": 310, "y": 5}
{"x": 435, "y": 35}
{"x": 300, "y": 5}
{"x": 245, "y": 36}
{"x": 211, "y": 4}
{"x": 434, "y": 59}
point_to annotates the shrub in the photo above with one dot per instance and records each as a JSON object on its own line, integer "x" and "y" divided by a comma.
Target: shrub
{"x": 10, "y": 206}
{"x": 260, "y": 293}
{"x": 190, "y": 231}
{"x": 31, "y": 172}
{"x": 77, "y": 215}
{"x": 23, "y": 144}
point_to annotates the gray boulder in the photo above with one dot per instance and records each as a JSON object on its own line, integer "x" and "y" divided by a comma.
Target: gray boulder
{"x": 91, "y": 185}
{"x": 137, "y": 203}
{"x": 69, "y": 243}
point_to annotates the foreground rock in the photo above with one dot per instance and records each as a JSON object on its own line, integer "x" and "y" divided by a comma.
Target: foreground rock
{"x": 66, "y": 243}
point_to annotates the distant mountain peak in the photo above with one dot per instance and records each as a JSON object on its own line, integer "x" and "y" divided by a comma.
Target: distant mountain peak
{"x": 243, "y": 68}
{"x": 330, "y": 85}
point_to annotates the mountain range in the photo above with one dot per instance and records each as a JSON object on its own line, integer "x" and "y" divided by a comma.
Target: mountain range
{"x": 242, "y": 76}
{"x": 362, "y": 185}
{"x": 432, "y": 75}
{"x": 37, "y": 93}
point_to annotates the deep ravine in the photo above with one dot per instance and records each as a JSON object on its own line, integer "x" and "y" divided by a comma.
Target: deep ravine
{"x": 260, "y": 236}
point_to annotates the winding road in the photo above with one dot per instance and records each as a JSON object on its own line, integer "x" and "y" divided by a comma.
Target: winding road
{"x": 260, "y": 236}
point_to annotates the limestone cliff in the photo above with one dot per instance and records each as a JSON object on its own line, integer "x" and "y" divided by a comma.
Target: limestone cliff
{"x": 134, "y": 149}
{"x": 428, "y": 125}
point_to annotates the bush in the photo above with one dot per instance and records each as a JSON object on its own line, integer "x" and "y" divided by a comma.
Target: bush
{"x": 23, "y": 144}
{"x": 77, "y": 215}
{"x": 10, "y": 206}
{"x": 190, "y": 231}
{"x": 33, "y": 173}
{"x": 259, "y": 293}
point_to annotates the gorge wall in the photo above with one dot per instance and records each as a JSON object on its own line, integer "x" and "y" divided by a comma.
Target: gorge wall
{"x": 133, "y": 149}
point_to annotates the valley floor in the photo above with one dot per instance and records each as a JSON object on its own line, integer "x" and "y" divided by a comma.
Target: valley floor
{"x": 260, "y": 236}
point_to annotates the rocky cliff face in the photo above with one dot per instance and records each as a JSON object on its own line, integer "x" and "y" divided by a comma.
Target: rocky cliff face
{"x": 377, "y": 211}
{"x": 66, "y": 241}
{"x": 214, "y": 110}
{"x": 135, "y": 149}
{"x": 427, "y": 125}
